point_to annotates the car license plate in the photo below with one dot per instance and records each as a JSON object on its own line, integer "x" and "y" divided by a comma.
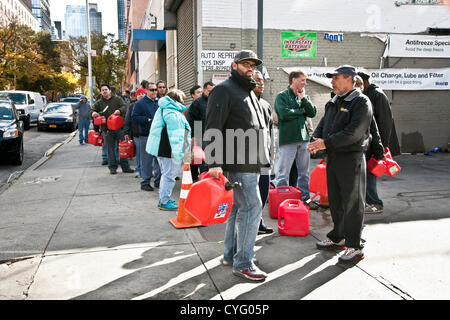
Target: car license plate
{"x": 52, "y": 126}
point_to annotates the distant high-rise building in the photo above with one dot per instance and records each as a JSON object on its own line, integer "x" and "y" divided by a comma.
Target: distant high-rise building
{"x": 58, "y": 30}
{"x": 75, "y": 21}
{"x": 95, "y": 18}
{"x": 121, "y": 19}
{"x": 41, "y": 10}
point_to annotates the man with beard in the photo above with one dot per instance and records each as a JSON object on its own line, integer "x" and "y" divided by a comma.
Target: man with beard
{"x": 234, "y": 108}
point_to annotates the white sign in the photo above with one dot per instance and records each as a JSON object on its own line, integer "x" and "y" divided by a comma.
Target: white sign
{"x": 390, "y": 79}
{"x": 211, "y": 60}
{"x": 219, "y": 78}
{"x": 418, "y": 46}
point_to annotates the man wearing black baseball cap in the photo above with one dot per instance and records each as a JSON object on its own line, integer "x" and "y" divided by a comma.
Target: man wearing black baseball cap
{"x": 234, "y": 111}
{"x": 383, "y": 117}
{"x": 343, "y": 132}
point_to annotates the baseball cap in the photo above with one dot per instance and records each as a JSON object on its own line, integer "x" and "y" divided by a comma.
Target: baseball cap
{"x": 364, "y": 74}
{"x": 140, "y": 90}
{"x": 350, "y": 70}
{"x": 247, "y": 55}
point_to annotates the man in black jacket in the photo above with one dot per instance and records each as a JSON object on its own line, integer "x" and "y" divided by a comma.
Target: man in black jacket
{"x": 196, "y": 114}
{"x": 344, "y": 132}
{"x": 383, "y": 116}
{"x": 237, "y": 143}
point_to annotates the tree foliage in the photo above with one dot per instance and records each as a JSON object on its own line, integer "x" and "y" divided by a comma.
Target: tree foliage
{"x": 30, "y": 61}
{"x": 108, "y": 64}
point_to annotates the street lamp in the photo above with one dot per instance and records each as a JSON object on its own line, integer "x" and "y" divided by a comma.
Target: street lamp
{"x": 89, "y": 53}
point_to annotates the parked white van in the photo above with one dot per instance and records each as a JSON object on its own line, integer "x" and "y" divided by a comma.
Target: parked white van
{"x": 28, "y": 103}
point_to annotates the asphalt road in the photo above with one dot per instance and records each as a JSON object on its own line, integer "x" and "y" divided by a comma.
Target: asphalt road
{"x": 36, "y": 143}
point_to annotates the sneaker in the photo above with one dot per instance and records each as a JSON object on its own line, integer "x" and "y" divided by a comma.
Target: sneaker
{"x": 169, "y": 206}
{"x": 159, "y": 202}
{"x": 81, "y": 142}
{"x": 373, "y": 209}
{"x": 113, "y": 171}
{"x": 230, "y": 263}
{"x": 311, "y": 204}
{"x": 351, "y": 255}
{"x": 330, "y": 245}
{"x": 129, "y": 170}
{"x": 264, "y": 230}
{"x": 156, "y": 185}
{"x": 146, "y": 187}
{"x": 104, "y": 162}
{"x": 253, "y": 273}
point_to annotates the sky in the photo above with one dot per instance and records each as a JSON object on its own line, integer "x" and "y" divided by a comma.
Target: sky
{"x": 108, "y": 8}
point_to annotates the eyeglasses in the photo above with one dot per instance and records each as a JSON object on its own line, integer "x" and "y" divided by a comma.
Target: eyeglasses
{"x": 152, "y": 89}
{"x": 248, "y": 65}
{"x": 161, "y": 87}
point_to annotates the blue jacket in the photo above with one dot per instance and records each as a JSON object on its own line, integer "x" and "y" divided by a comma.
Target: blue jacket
{"x": 170, "y": 114}
{"x": 144, "y": 110}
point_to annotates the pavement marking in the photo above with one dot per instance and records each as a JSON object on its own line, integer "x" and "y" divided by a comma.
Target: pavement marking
{"x": 241, "y": 288}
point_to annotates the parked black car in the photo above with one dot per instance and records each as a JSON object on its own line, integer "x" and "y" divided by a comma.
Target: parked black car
{"x": 58, "y": 115}
{"x": 11, "y": 132}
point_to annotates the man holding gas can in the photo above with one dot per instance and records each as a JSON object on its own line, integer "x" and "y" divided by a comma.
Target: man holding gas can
{"x": 106, "y": 106}
{"x": 236, "y": 143}
{"x": 344, "y": 132}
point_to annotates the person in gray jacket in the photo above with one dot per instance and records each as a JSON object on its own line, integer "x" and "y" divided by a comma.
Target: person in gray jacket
{"x": 84, "y": 119}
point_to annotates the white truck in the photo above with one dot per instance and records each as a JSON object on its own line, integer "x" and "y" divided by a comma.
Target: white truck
{"x": 27, "y": 103}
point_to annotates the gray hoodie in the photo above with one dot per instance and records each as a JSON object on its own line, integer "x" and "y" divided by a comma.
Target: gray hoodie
{"x": 83, "y": 109}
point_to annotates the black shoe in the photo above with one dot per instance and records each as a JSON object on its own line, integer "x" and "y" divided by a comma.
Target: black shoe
{"x": 146, "y": 187}
{"x": 128, "y": 170}
{"x": 156, "y": 185}
{"x": 264, "y": 230}
{"x": 113, "y": 171}
{"x": 104, "y": 162}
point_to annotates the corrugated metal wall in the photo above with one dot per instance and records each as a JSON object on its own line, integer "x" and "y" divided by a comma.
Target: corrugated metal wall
{"x": 185, "y": 42}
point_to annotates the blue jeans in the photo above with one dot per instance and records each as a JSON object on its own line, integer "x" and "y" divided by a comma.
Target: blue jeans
{"x": 288, "y": 153}
{"x": 137, "y": 145}
{"x": 243, "y": 221}
{"x": 112, "y": 146}
{"x": 105, "y": 149}
{"x": 169, "y": 170}
{"x": 147, "y": 163}
{"x": 83, "y": 130}
{"x": 371, "y": 189}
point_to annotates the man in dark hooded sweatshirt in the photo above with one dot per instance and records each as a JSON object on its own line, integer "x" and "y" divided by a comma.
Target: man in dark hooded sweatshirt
{"x": 83, "y": 107}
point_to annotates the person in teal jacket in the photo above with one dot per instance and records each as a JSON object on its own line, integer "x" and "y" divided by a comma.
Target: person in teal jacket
{"x": 292, "y": 106}
{"x": 169, "y": 141}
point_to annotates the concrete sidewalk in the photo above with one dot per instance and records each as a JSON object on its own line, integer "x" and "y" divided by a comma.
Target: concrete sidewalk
{"x": 70, "y": 230}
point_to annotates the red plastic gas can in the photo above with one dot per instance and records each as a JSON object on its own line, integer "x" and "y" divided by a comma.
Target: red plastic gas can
{"x": 293, "y": 218}
{"x": 376, "y": 167}
{"x": 278, "y": 195}
{"x": 95, "y": 138}
{"x": 98, "y": 121}
{"x": 318, "y": 180}
{"x": 199, "y": 155}
{"x": 127, "y": 149}
{"x": 392, "y": 167}
{"x": 208, "y": 201}
{"x": 115, "y": 122}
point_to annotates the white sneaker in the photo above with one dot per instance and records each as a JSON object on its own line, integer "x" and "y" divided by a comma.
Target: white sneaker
{"x": 351, "y": 255}
{"x": 330, "y": 245}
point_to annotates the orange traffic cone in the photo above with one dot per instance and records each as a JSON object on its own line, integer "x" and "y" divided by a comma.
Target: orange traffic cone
{"x": 184, "y": 219}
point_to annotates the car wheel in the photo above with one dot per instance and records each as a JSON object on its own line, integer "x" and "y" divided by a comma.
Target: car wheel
{"x": 18, "y": 157}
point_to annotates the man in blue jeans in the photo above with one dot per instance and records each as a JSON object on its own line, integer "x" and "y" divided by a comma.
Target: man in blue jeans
{"x": 143, "y": 113}
{"x": 83, "y": 107}
{"x": 235, "y": 115}
{"x": 293, "y": 106}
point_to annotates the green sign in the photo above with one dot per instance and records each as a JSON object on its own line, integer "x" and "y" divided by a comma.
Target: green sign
{"x": 298, "y": 45}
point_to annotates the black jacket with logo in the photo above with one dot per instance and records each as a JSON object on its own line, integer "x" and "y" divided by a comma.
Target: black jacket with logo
{"x": 345, "y": 126}
{"x": 233, "y": 108}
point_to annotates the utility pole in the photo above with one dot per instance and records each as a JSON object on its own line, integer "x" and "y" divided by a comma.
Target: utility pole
{"x": 89, "y": 53}
{"x": 260, "y": 33}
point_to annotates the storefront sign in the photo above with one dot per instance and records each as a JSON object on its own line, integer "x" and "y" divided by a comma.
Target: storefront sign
{"x": 216, "y": 60}
{"x": 298, "y": 45}
{"x": 418, "y": 46}
{"x": 339, "y": 37}
{"x": 219, "y": 78}
{"x": 390, "y": 79}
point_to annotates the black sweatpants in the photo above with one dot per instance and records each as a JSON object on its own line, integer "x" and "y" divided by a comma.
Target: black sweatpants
{"x": 346, "y": 181}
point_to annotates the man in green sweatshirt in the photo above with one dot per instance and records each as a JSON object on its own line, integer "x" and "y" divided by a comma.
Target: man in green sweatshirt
{"x": 106, "y": 106}
{"x": 292, "y": 106}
